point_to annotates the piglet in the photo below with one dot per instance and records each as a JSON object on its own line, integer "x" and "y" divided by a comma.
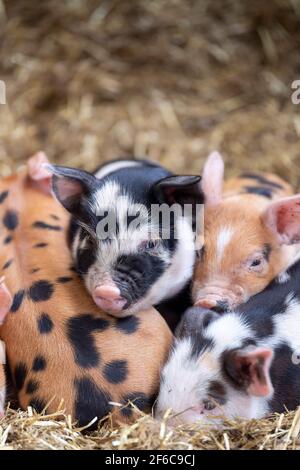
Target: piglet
{"x": 243, "y": 364}
{"x": 129, "y": 258}
{"x": 251, "y": 232}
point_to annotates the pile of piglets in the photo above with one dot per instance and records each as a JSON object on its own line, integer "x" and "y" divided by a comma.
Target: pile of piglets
{"x": 237, "y": 351}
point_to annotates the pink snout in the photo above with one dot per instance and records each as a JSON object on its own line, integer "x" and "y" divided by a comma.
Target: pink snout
{"x": 108, "y": 298}
{"x": 225, "y": 299}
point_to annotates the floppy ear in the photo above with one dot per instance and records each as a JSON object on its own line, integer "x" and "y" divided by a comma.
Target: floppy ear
{"x": 179, "y": 190}
{"x": 212, "y": 178}
{"x": 249, "y": 369}
{"x": 5, "y": 301}
{"x": 283, "y": 219}
{"x": 70, "y": 185}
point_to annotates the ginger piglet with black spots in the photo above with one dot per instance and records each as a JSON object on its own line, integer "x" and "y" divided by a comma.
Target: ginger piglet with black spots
{"x": 60, "y": 347}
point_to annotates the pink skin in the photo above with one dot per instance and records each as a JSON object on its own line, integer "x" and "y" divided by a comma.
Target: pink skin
{"x": 5, "y": 301}
{"x": 210, "y": 296}
{"x": 38, "y": 172}
{"x": 108, "y": 298}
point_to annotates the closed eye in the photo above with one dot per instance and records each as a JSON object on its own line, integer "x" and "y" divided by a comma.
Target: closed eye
{"x": 257, "y": 262}
{"x": 209, "y": 405}
{"x": 149, "y": 245}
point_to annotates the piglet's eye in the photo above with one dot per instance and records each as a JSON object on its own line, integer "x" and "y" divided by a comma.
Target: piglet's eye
{"x": 256, "y": 262}
{"x": 149, "y": 245}
{"x": 209, "y": 405}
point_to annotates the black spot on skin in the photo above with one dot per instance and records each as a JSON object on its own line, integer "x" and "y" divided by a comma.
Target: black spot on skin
{"x": 72, "y": 268}
{"x": 54, "y": 217}
{"x": 222, "y": 306}
{"x": 248, "y": 342}
{"x": 3, "y": 196}
{"x": 20, "y": 374}
{"x": 11, "y": 220}
{"x": 8, "y": 240}
{"x": 254, "y": 314}
{"x": 140, "y": 400}
{"x": 41, "y": 291}
{"x": 262, "y": 180}
{"x": 134, "y": 274}
{"x": 259, "y": 190}
{"x": 285, "y": 379}
{"x": 7, "y": 264}
{"x": 128, "y": 325}
{"x": 32, "y": 386}
{"x": 39, "y": 364}
{"x": 45, "y": 324}
{"x": 45, "y": 226}
{"x": 217, "y": 392}
{"x": 40, "y": 245}
{"x": 79, "y": 332}
{"x": 192, "y": 325}
{"x": 90, "y": 402}
{"x": 85, "y": 258}
{"x": 116, "y": 372}
{"x": 38, "y": 404}
{"x": 64, "y": 279}
{"x": 35, "y": 270}
{"x": 17, "y": 301}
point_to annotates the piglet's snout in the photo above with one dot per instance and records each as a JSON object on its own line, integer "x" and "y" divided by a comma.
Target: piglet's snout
{"x": 108, "y": 298}
{"x": 226, "y": 299}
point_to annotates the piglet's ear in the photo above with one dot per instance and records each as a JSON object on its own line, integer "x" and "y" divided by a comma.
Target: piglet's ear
{"x": 283, "y": 219}
{"x": 179, "y": 189}
{"x": 5, "y": 301}
{"x": 38, "y": 172}
{"x": 70, "y": 185}
{"x": 212, "y": 178}
{"x": 249, "y": 369}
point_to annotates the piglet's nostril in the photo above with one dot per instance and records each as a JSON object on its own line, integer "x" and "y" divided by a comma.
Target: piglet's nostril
{"x": 221, "y": 306}
{"x": 107, "y": 292}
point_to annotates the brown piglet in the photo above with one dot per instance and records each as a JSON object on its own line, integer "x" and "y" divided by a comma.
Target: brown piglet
{"x": 251, "y": 231}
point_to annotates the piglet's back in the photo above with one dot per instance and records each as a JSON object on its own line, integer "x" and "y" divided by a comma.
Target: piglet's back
{"x": 60, "y": 346}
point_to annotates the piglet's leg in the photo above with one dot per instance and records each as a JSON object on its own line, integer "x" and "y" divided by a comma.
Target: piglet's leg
{"x": 38, "y": 172}
{"x": 5, "y": 300}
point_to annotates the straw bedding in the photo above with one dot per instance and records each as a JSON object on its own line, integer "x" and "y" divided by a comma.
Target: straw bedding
{"x": 90, "y": 80}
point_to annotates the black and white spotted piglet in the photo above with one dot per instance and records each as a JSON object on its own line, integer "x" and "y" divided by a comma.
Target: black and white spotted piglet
{"x": 244, "y": 364}
{"x": 124, "y": 268}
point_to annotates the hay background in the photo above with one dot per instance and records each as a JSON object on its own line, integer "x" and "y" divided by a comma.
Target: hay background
{"x": 172, "y": 79}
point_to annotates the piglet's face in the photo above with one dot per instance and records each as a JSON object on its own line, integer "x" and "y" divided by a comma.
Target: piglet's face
{"x": 129, "y": 262}
{"x": 245, "y": 247}
{"x": 239, "y": 257}
{"x": 212, "y": 373}
{"x": 245, "y": 242}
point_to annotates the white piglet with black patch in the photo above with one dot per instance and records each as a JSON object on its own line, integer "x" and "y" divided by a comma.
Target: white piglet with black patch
{"x": 243, "y": 364}
{"x": 128, "y": 259}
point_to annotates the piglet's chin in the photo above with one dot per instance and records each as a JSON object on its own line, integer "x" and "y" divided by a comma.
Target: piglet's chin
{"x": 114, "y": 307}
